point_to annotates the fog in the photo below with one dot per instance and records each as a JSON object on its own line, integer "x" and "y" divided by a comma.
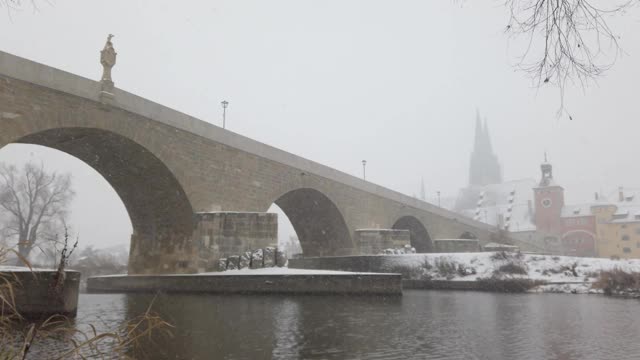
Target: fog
{"x": 395, "y": 83}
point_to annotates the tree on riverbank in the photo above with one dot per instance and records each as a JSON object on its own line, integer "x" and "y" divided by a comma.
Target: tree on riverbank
{"x": 33, "y": 205}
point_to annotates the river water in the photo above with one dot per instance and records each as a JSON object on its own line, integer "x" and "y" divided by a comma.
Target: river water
{"x": 418, "y": 325}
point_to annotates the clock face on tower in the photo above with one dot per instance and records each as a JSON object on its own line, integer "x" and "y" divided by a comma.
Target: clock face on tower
{"x": 546, "y": 202}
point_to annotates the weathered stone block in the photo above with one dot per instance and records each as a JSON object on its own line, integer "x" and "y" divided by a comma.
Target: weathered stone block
{"x": 269, "y": 257}
{"x": 223, "y": 234}
{"x": 374, "y": 241}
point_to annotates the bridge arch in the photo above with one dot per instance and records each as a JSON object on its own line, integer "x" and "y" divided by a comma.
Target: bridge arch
{"x": 160, "y": 212}
{"x": 318, "y": 222}
{"x": 420, "y": 238}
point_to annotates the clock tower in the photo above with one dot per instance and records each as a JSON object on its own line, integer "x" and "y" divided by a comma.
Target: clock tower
{"x": 549, "y": 201}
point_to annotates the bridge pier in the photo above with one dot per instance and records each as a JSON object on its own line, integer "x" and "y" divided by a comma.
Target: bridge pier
{"x": 374, "y": 241}
{"x": 222, "y": 234}
{"x": 164, "y": 254}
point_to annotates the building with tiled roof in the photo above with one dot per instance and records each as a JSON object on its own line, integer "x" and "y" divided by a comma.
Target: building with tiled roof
{"x": 534, "y": 213}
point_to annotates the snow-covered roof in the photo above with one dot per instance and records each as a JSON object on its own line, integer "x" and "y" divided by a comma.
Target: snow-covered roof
{"x": 577, "y": 210}
{"x": 498, "y": 245}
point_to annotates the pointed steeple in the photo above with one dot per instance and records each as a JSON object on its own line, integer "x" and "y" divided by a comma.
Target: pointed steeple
{"x": 484, "y": 168}
{"x": 487, "y": 138}
{"x": 477, "y": 145}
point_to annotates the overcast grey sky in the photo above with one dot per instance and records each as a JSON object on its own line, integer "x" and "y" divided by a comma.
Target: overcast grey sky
{"x": 394, "y": 82}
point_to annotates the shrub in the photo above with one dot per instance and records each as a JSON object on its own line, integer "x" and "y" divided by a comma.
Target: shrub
{"x": 569, "y": 270}
{"x": 512, "y": 268}
{"x": 618, "y": 282}
{"x": 407, "y": 271}
{"x": 446, "y": 267}
{"x": 465, "y": 270}
{"x": 509, "y": 285}
{"x": 507, "y": 255}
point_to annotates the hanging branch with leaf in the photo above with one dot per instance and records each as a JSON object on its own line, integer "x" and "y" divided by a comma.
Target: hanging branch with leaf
{"x": 568, "y": 40}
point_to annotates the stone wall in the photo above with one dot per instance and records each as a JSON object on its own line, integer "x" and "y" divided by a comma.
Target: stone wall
{"x": 373, "y": 241}
{"x": 456, "y": 245}
{"x": 33, "y": 298}
{"x": 362, "y": 284}
{"x": 222, "y": 234}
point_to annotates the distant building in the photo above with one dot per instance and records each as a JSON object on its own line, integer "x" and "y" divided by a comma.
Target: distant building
{"x": 484, "y": 168}
{"x": 617, "y": 224}
{"x": 534, "y": 213}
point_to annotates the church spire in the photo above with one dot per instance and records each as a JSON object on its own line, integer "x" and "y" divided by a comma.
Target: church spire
{"x": 487, "y": 138}
{"x": 484, "y": 168}
{"x": 477, "y": 145}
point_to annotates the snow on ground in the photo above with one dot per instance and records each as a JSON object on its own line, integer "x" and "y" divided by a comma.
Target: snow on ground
{"x": 561, "y": 273}
{"x": 4, "y": 268}
{"x": 263, "y": 271}
{"x": 285, "y": 271}
{"x": 539, "y": 267}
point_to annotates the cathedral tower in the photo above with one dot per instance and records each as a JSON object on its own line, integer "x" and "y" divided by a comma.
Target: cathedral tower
{"x": 484, "y": 168}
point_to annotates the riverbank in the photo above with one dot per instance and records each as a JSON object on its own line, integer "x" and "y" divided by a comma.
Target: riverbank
{"x": 489, "y": 271}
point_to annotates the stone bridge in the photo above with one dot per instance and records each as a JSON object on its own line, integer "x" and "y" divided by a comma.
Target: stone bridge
{"x": 167, "y": 167}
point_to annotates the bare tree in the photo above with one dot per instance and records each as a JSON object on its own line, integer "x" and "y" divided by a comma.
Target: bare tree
{"x": 568, "y": 40}
{"x": 34, "y": 203}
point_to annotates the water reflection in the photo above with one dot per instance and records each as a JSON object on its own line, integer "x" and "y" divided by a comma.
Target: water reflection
{"x": 418, "y": 325}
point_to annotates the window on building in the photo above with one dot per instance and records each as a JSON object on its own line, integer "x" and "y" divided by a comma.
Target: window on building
{"x": 638, "y": 231}
{"x": 638, "y": 245}
{"x": 626, "y": 250}
{"x": 625, "y": 237}
{"x": 624, "y": 226}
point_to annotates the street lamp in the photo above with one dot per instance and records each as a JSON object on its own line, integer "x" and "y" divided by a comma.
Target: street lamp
{"x": 224, "y": 103}
{"x": 364, "y": 169}
{"x": 439, "y": 199}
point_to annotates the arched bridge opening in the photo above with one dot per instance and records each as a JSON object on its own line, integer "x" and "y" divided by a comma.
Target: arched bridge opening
{"x": 160, "y": 212}
{"x": 317, "y": 221}
{"x": 419, "y": 235}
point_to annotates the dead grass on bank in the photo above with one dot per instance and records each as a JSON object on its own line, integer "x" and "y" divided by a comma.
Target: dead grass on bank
{"x": 618, "y": 282}
{"x": 18, "y": 335}
{"x": 508, "y": 285}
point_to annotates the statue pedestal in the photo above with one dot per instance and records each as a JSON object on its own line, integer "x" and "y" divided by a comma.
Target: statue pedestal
{"x": 106, "y": 93}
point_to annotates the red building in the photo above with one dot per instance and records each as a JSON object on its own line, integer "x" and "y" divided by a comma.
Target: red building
{"x": 573, "y": 226}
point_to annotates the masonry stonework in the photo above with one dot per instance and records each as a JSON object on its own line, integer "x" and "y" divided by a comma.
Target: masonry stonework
{"x": 374, "y": 241}
{"x": 223, "y": 234}
{"x": 167, "y": 167}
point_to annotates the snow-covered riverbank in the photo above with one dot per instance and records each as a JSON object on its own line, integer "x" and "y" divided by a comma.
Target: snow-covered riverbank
{"x": 558, "y": 273}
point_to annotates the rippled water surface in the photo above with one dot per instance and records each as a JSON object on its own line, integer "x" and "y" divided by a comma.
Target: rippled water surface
{"x": 418, "y": 325}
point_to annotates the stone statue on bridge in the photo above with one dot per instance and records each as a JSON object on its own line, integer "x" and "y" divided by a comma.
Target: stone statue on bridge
{"x": 108, "y": 60}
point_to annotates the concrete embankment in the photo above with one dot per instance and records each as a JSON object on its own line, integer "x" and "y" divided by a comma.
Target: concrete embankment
{"x": 34, "y": 297}
{"x": 364, "y": 263}
{"x": 442, "y": 285}
{"x": 360, "y": 284}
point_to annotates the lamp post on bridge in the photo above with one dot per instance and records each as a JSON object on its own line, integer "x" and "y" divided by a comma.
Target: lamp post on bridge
{"x": 364, "y": 169}
{"x": 224, "y": 103}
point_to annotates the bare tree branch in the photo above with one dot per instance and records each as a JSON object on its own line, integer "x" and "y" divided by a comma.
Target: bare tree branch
{"x": 34, "y": 203}
{"x": 568, "y": 40}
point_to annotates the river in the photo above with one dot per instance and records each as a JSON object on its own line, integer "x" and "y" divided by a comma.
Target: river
{"x": 418, "y": 325}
